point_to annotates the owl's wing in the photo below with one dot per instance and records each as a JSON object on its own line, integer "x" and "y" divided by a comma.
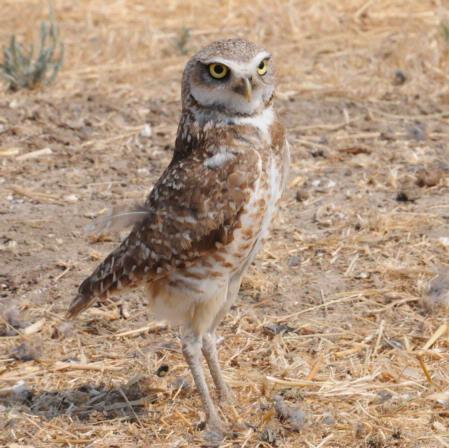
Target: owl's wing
{"x": 192, "y": 210}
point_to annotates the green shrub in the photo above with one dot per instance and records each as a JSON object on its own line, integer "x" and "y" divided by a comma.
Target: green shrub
{"x": 182, "y": 40}
{"x": 19, "y": 67}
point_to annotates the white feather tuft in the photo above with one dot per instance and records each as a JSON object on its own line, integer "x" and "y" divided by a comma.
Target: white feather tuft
{"x": 115, "y": 221}
{"x": 219, "y": 159}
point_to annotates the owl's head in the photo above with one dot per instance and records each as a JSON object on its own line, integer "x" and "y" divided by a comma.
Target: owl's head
{"x": 234, "y": 77}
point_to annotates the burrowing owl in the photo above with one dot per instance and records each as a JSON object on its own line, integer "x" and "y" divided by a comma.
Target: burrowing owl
{"x": 205, "y": 219}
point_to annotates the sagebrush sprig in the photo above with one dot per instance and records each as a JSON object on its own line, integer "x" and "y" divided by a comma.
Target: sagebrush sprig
{"x": 182, "y": 40}
{"x": 446, "y": 31}
{"x": 19, "y": 67}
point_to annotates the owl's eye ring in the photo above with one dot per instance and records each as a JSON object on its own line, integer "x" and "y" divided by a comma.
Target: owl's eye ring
{"x": 262, "y": 68}
{"x": 218, "y": 71}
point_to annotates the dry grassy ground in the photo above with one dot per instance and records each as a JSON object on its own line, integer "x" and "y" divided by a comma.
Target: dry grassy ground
{"x": 338, "y": 317}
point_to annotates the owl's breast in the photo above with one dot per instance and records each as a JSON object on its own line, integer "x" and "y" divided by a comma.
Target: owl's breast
{"x": 209, "y": 274}
{"x": 257, "y": 215}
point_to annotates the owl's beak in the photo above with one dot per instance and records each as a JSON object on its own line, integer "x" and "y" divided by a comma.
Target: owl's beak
{"x": 248, "y": 89}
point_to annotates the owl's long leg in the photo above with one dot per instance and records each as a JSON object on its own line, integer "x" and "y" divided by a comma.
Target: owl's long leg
{"x": 210, "y": 340}
{"x": 211, "y": 355}
{"x": 191, "y": 349}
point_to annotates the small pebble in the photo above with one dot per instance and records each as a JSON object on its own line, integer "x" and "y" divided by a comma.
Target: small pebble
{"x": 328, "y": 419}
{"x": 318, "y": 152}
{"x": 11, "y": 321}
{"x": 19, "y": 392}
{"x": 63, "y": 330}
{"x": 294, "y": 416}
{"x": 301, "y": 195}
{"x": 399, "y": 78}
{"x": 268, "y": 436}
{"x": 8, "y": 245}
{"x": 294, "y": 260}
{"x": 429, "y": 178}
{"x": 162, "y": 370}
{"x": 181, "y": 383}
{"x": 417, "y": 132}
{"x": 71, "y": 198}
{"x": 143, "y": 171}
{"x": 124, "y": 310}
{"x": 402, "y": 196}
{"x": 14, "y": 104}
{"x": 384, "y": 396}
{"x": 438, "y": 292}
{"x": 146, "y": 131}
{"x": 273, "y": 329}
{"x": 26, "y": 352}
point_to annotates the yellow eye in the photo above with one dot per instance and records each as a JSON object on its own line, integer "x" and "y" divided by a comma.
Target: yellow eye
{"x": 218, "y": 71}
{"x": 262, "y": 67}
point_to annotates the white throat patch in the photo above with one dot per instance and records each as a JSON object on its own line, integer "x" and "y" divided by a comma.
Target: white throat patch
{"x": 261, "y": 121}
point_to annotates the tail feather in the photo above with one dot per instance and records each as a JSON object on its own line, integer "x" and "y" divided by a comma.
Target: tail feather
{"x": 112, "y": 274}
{"x": 79, "y": 304}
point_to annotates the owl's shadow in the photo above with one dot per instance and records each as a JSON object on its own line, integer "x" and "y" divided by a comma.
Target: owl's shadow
{"x": 85, "y": 402}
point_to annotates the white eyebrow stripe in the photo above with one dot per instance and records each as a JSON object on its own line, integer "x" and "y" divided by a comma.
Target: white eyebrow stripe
{"x": 239, "y": 66}
{"x": 261, "y": 56}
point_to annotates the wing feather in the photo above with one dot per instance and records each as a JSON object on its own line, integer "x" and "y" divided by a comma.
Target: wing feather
{"x": 193, "y": 209}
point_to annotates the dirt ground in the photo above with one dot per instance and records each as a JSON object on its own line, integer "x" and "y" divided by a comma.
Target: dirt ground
{"x": 340, "y": 336}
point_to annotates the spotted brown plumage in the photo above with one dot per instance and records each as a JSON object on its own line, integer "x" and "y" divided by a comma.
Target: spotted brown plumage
{"x": 193, "y": 210}
{"x": 205, "y": 219}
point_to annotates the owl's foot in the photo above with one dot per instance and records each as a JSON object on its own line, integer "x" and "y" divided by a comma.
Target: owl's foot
{"x": 216, "y": 432}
